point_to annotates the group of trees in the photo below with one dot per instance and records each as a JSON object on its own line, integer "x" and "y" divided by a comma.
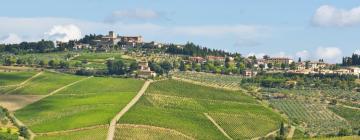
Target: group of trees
{"x": 351, "y": 61}
{"x": 29, "y": 47}
{"x": 30, "y": 61}
{"x": 281, "y": 80}
{"x": 118, "y": 67}
{"x": 194, "y": 50}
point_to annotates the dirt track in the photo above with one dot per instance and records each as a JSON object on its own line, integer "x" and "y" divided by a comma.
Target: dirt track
{"x": 113, "y": 122}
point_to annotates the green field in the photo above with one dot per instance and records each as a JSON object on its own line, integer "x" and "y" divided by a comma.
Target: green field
{"x": 180, "y": 106}
{"x": 13, "y": 78}
{"x": 91, "y": 134}
{"x": 46, "y": 83}
{"x": 94, "y": 101}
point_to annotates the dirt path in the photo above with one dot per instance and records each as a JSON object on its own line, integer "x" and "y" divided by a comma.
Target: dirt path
{"x": 59, "y": 89}
{"x": 71, "y": 130}
{"x": 218, "y": 126}
{"x": 351, "y": 107}
{"x": 24, "y": 82}
{"x": 291, "y": 133}
{"x": 18, "y": 122}
{"x": 267, "y": 135}
{"x": 112, "y": 126}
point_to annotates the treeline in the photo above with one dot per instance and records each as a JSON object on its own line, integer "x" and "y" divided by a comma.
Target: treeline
{"x": 351, "y": 61}
{"x": 194, "y": 50}
{"x": 288, "y": 80}
{"x": 29, "y": 47}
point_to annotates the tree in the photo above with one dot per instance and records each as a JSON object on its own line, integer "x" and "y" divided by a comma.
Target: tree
{"x": 182, "y": 66}
{"x": 24, "y": 132}
{"x": 117, "y": 67}
{"x": 42, "y": 63}
{"x": 344, "y": 132}
{"x": 133, "y": 67}
{"x": 53, "y": 63}
{"x": 262, "y": 66}
{"x": 283, "y": 66}
{"x": 9, "y": 60}
{"x": 292, "y": 66}
{"x": 166, "y": 66}
{"x": 270, "y": 65}
{"x": 299, "y": 59}
{"x": 282, "y": 129}
{"x": 64, "y": 64}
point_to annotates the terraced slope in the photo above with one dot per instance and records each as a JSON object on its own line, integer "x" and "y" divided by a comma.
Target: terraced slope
{"x": 180, "y": 106}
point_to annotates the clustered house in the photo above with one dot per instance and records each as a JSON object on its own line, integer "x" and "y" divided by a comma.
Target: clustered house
{"x": 144, "y": 70}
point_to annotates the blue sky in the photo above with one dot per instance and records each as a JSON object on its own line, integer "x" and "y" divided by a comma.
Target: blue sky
{"x": 308, "y": 29}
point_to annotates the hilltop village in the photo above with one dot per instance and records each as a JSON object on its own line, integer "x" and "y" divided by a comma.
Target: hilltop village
{"x": 221, "y": 62}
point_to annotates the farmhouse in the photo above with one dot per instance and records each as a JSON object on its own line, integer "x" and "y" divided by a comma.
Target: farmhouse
{"x": 197, "y": 59}
{"x": 249, "y": 73}
{"x": 215, "y": 58}
{"x": 144, "y": 70}
{"x": 279, "y": 60}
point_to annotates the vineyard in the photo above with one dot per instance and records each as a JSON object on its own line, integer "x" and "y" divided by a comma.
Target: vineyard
{"x": 90, "y": 134}
{"x": 126, "y": 132}
{"x": 351, "y": 115}
{"x": 213, "y": 80}
{"x": 315, "y": 118}
{"x": 14, "y": 78}
{"x": 180, "y": 106}
{"x": 74, "y": 106}
{"x": 45, "y": 83}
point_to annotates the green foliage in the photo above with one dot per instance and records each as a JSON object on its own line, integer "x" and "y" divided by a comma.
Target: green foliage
{"x": 7, "y": 136}
{"x": 351, "y": 115}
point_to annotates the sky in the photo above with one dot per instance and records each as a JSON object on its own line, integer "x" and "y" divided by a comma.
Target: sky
{"x": 308, "y": 29}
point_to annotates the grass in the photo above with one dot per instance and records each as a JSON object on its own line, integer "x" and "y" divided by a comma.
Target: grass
{"x": 91, "y": 102}
{"x": 181, "y": 106}
{"x": 150, "y": 133}
{"x": 91, "y": 134}
{"x": 13, "y": 78}
{"x": 46, "y": 83}
{"x": 351, "y": 115}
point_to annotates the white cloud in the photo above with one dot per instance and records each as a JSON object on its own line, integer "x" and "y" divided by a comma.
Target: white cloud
{"x": 133, "y": 14}
{"x": 304, "y": 54}
{"x": 10, "y": 39}
{"x": 357, "y": 52}
{"x": 332, "y": 54}
{"x": 33, "y": 29}
{"x": 331, "y": 16}
{"x": 63, "y": 33}
{"x": 257, "y": 55}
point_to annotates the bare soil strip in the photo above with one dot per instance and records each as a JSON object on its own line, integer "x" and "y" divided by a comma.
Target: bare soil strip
{"x": 218, "y": 126}
{"x": 291, "y": 132}
{"x": 71, "y": 130}
{"x": 23, "y": 83}
{"x": 113, "y": 122}
{"x": 350, "y": 107}
{"x": 267, "y": 135}
{"x": 15, "y": 102}
{"x": 154, "y": 127}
